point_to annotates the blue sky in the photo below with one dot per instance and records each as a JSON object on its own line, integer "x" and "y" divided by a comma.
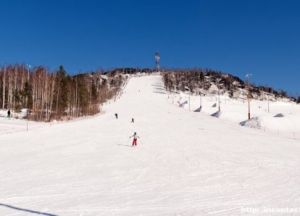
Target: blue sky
{"x": 261, "y": 37}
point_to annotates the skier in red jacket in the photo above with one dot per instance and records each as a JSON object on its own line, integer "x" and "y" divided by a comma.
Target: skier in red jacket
{"x": 135, "y": 137}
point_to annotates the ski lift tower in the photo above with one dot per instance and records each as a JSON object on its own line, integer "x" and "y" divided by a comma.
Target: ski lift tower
{"x": 157, "y": 60}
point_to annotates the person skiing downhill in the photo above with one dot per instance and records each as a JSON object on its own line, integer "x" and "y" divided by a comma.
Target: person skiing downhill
{"x": 135, "y": 137}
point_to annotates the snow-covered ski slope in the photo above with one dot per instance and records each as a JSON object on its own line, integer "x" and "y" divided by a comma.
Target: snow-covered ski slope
{"x": 282, "y": 118}
{"x": 186, "y": 163}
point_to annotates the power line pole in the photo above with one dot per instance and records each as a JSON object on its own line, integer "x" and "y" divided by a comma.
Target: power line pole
{"x": 157, "y": 61}
{"x": 248, "y": 95}
{"x": 268, "y": 103}
{"x": 200, "y": 101}
{"x": 189, "y": 91}
{"x": 200, "y": 108}
{"x": 219, "y": 100}
{"x": 3, "y": 94}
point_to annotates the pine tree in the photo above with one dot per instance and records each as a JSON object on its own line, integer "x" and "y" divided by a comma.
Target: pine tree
{"x": 27, "y": 94}
{"x": 62, "y": 91}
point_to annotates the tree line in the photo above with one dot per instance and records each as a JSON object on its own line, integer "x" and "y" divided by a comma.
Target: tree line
{"x": 196, "y": 79}
{"x": 56, "y": 95}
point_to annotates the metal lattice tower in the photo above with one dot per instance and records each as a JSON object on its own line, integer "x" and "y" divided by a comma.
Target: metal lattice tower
{"x": 157, "y": 60}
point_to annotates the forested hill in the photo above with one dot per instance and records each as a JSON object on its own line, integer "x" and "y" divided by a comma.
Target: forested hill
{"x": 214, "y": 82}
{"x": 49, "y": 95}
{"x": 211, "y": 81}
{"x": 56, "y": 95}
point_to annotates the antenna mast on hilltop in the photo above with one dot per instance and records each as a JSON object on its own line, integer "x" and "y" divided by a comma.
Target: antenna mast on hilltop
{"x": 157, "y": 60}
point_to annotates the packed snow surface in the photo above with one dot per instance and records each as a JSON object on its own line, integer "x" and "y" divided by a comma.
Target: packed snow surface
{"x": 281, "y": 118}
{"x": 185, "y": 163}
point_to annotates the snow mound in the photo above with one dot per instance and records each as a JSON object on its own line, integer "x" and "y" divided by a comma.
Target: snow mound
{"x": 254, "y": 122}
{"x": 182, "y": 104}
{"x": 279, "y": 115}
{"x": 216, "y": 114}
{"x": 198, "y": 109}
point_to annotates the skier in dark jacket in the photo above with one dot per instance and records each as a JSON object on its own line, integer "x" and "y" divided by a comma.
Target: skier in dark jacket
{"x": 116, "y": 115}
{"x": 8, "y": 113}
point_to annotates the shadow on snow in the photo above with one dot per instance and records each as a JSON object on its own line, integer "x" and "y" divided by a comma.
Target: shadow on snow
{"x": 124, "y": 145}
{"x": 26, "y": 210}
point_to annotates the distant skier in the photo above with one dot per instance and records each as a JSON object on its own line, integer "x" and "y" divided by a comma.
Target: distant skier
{"x": 8, "y": 113}
{"x": 135, "y": 137}
{"x": 116, "y": 115}
{"x": 132, "y": 120}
